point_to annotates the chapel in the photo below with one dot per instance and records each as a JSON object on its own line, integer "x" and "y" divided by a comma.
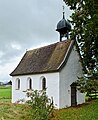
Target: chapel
{"x": 54, "y": 67}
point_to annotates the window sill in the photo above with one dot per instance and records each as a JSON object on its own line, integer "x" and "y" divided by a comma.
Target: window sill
{"x": 17, "y": 89}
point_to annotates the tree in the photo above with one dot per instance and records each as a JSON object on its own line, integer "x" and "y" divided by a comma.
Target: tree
{"x": 85, "y": 32}
{"x": 88, "y": 86}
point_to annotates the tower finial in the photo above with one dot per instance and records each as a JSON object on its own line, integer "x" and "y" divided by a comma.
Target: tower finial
{"x": 63, "y": 12}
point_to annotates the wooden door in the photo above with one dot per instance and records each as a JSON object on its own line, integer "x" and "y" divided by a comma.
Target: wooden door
{"x": 73, "y": 96}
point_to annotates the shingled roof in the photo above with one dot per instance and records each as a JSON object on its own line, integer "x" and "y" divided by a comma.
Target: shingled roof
{"x": 49, "y": 58}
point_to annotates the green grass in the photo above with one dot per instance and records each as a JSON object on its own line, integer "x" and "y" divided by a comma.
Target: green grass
{"x": 9, "y": 111}
{"x": 88, "y": 111}
{"x": 5, "y": 93}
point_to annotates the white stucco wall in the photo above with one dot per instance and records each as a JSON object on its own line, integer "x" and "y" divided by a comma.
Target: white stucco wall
{"x": 68, "y": 75}
{"x": 52, "y": 84}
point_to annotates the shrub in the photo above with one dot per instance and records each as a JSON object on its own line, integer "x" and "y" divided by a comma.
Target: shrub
{"x": 41, "y": 104}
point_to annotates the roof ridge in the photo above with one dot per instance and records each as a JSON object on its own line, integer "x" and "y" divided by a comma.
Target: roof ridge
{"x": 48, "y": 45}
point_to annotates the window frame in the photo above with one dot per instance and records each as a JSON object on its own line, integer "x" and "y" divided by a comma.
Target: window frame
{"x": 17, "y": 84}
{"x": 43, "y": 84}
{"x": 29, "y": 83}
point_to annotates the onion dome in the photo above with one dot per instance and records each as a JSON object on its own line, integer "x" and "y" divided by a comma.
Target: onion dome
{"x": 63, "y": 27}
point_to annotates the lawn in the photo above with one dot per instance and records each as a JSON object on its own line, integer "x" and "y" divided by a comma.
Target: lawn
{"x": 9, "y": 111}
{"x": 87, "y": 111}
{"x": 5, "y": 93}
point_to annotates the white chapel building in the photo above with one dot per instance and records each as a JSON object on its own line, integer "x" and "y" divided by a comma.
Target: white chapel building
{"x": 55, "y": 67}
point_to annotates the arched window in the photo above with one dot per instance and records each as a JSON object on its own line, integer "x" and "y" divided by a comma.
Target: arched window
{"x": 44, "y": 84}
{"x": 29, "y": 83}
{"x": 17, "y": 83}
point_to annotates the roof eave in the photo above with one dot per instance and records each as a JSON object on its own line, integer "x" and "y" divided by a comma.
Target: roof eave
{"x": 33, "y": 73}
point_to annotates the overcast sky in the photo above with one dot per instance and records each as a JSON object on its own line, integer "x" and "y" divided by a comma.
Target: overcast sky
{"x": 26, "y": 24}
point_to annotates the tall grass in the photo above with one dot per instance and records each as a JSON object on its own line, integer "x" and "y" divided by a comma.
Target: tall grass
{"x": 88, "y": 111}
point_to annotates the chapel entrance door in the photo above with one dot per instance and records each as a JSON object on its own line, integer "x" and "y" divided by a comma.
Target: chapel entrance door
{"x": 73, "y": 95}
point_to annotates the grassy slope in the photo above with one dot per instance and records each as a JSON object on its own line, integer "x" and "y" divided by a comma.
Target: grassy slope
{"x": 8, "y": 111}
{"x": 88, "y": 111}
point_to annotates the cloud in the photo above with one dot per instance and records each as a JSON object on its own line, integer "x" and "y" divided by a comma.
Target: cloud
{"x": 25, "y": 24}
{"x": 7, "y": 68}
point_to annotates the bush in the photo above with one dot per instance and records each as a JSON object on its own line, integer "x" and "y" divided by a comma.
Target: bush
{"x": 41, "y": 104}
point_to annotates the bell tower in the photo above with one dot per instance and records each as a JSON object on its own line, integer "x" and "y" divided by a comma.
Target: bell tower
{"x": 63, "y": 27}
